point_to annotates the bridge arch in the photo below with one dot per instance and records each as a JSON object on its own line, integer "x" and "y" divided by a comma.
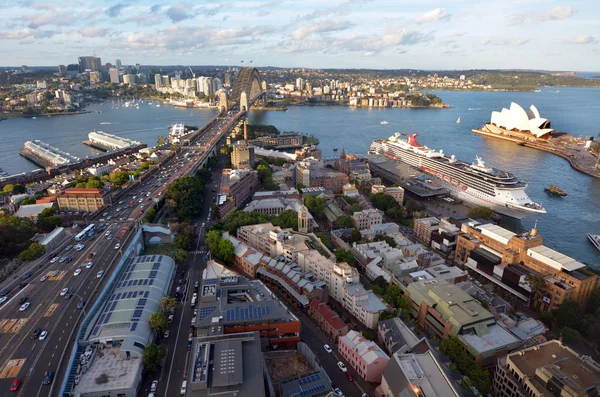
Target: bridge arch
{"x": 247, "y": 81}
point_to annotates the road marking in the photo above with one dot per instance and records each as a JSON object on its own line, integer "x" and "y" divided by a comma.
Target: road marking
{"x": 12, "y": 325}
{"x": 50, "y": 311}
{"x": 12, "y": 368}
{"x": 58, "y": 277}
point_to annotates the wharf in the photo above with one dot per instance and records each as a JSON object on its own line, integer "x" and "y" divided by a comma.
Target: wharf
{"x": 35, "y": 159}
{"x": 579, "y": 158}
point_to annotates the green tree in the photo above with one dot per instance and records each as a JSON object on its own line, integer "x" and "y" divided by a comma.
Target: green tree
{"x": 187, "y": 194}
{"x": 386, "y": 315}
{"x": 94, "y": 184}
{"x": 119, "y": 178}
{"x": 158, "y": 322}
{"x": 344, "y": 222}
{"x": 225, "y": 251}
{"x": 570, "y": 335}
{"x": 18, "y": 189}
{"x": 355, "y": 236}
{"x": 8, "y": 188}
{"x": 569, "y": 314}
{"x": 548, "y": 319}
{"x": 168, "y": 303}
{"x": 34, "y": 251}
{"x": 391, "y": 242}
{"x": 325, "y": 240}
{"x": 286, "y": 219}
{"x": 480, "y": 213}
{"x": 182, "y": 241}
{"x": 48, "y": 223}
{"x": 181, "y": 256}
{"x": 15, "y": 233}
{"x": 316, "y": 205}
{"x": 27, "y": 201}
{"x": 343, "y": 255}
{"x": 152, "y": 356}
{"x": 242, "y": 218}
{"x": 212, "y": 240}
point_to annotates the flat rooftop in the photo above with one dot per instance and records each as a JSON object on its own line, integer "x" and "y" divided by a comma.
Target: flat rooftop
{"x": 312, "y": 384}
{"x": 496, "y": 232}
{"x": 109, "y": 372}
{"x": 490, "y": 338}
{"x": 423, "y": 371}
{"x": 554, "y": 258}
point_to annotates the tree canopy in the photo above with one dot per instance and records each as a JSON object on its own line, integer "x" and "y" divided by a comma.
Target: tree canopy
{"x": 152, "y": 356}
{"x": 187, "y": 194}
{"x": 34, "y": 251}
{"x": 480, "y": 213}
{"x": 15, "y": 233}
{"x": 343, "y": 255}
{"x": 316, "y": 205}
{"x": 158, "y": 322}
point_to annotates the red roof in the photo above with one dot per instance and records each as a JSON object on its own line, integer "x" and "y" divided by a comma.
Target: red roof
{"x": 46, "y": 200}
{"x": 329, "y": 315}
{"x": 83, "y": 190}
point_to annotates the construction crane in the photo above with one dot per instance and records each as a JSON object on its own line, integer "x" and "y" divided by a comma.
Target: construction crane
{"x": 193, "y": 74}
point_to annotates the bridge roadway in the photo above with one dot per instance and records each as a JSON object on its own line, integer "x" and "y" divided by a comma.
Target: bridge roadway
{"x": 27, "y": 359}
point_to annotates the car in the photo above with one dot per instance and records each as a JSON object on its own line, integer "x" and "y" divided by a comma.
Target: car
{"x": 350, "y": 377}
{"x": 3, "y": 299}
{"x": 81, "y": 304}
{"x": 43, "y": 278}
{"x": 55, "y": 259}
{"x": 5, "y": 292}
{"x": 364, "y": 395}
{"x": 43, "y": 335}
{"x": 154, "y": 385}
{"x": 27, "y": 275}
{"x": 24, "y": 307}
{"x": 68, "y": 295}
{"x": 62, "y": 259}
{"x": 68, "y": 247}
{"x": 338, "y": 392}
{"x": 105, "y": 214}
{"x": 77, "y": 272}
{"x": 342, "y": 366}
{"x": 69, "y": 259}
{"x": 151, "y": 394}
{"x": 48, "y": 377}
{"x": 121, "y": 202}
{"x": 107, "y": 233}
{"x": 100, "y": 274}
{"x": 23, "y": 300}
{"x": 89, "y": 265}
{"x": 90, "y": 256}
{"x": 117, "y": 246}
{"x": 166, "y": 335}
{"x": 327, "y": 348}
{"x": 64, "y": 291}
{"x": 183, "y": 388}
{"x": 170, "y": 319}
{"x": 14, "y": 386}
{"x": 55, "y": 273}
{"x": 36, "y": 333}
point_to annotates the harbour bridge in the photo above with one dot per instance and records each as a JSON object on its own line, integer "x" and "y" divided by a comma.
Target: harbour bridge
{"x": 247, "y": 89}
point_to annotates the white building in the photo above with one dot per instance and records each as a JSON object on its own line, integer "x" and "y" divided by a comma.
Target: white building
{"x": 365, "y": 219}
{"x": 99, "y": 169}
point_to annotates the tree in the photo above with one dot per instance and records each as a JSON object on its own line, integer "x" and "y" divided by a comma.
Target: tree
{"x": 225, "y": 250}
{"x": 548, "y": 319}
{"x": 48, "y": 223}
{"x": 158, "y": 322}
{"x": 94, "y": 184}
{"x": 325, "y": 240}
{"x": 286, "y": 219}
{"x": 18, "y": 189}
{"x": 187, "y": 193}
{"x": 182, "y": 241}
{"x": 181, "y": 256}
{"x": 344, "y": 222}
{"x": 152, "y": 356}
{"x": 355, "y": 236}
{"x": 386, "y": 315}
{"x": 119, "y": 178}
{"x": 8, "y": 188}
{"x": 316, "y": 205}
{"x": 168, "y": 303}
{"x": 34, "y": 251}
{"x": 27, "y": 201}
{"x": 343, "y": 255}
{"x": 570, "y": 335}
{"x": 569, "y": 314}
{"x": 212, "y": 240}
{"x": 15, "y": 233}
{"x": 480, "y": 212}
{"x": 242, "y": 218}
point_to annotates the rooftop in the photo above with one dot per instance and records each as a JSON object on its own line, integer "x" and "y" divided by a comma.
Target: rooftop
{"x": 485, "y": 340}
{"x": 398, "y": 334}
{"x": 82, "y": 190}
{"x": 32, "y": 210}
{"x": 496, "y": 232}
{"x": 328, "y": 314}
{"x": 366, "y": 349}
{"x": 554, "y": 258}
{"x": 311, "y": 384}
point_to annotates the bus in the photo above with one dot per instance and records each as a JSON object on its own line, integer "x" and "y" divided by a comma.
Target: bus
{"x": 89, "y": 230}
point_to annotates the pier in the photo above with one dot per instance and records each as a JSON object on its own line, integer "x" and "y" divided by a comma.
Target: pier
{"x": 45, "y": 155}
{"x": 106, "y": 142}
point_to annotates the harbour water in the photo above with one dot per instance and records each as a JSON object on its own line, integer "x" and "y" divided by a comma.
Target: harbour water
{"x": 574, "y": 110}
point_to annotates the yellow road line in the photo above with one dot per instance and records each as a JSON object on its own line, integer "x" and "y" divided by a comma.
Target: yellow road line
{"x": 12, "y": 368}
{"x": 51, "y": 310}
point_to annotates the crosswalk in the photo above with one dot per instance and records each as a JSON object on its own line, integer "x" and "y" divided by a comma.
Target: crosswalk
{"x": 197, "y": 252}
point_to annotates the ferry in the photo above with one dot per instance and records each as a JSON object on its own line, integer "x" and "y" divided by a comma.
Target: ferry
{"x": 384, "y": 122}
{"x": 475, "y": 183}
{"x": 177, "y": 130}
{"x": 595, "y": 239}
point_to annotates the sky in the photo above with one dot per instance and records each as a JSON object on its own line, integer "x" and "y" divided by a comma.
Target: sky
{"x": 379, "y": 34}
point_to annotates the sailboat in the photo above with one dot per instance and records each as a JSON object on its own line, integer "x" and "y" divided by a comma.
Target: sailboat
{"x": 458, "y": 120}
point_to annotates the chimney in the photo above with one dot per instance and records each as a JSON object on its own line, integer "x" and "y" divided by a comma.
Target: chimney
{"x": 246, "y": 131}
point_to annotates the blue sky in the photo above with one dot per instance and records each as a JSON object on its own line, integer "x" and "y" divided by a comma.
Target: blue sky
{"x": 392, "y": 34}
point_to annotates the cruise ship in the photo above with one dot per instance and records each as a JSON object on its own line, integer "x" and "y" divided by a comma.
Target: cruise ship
{"x": 474, "y": 183}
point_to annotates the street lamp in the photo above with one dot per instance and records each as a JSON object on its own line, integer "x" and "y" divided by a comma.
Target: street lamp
{"x": 81, "y": 300}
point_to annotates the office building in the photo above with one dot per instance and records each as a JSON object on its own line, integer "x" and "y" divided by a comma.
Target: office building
{"x": 424, "y": 228}
{"x": 118, "y": 64}
{"x": 236, "y": 187}
{"x": 81, "y": 200}
{"x": 230, "y": 303}
{"x": 396, "y": 192}
{"x": 547, "y": 369}
{"x": 157, "y": 81}
{"x": 443, "y": 309}
{"x": 508, "y": 259}
{"x": 89, "y": 63}
{"x": 113, "y": 74}
{"x": 129, "y": 79}
{"x": 95, "y": 77}
{"x": 120, "y": 330}
{"x": 242, "y": 156}
{"x": 62, "y": 70}
{"x": 364, "y": 356}
{"x": 368, "y": 218}
{"x": 313, "y": 173}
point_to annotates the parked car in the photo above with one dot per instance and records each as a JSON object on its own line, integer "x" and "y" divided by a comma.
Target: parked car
{"x": 14, "y": 386}
{"x": 167, "y": 333}
{"x": 327, "y": 348}
{"x": 154, "y": 386}
{"x": 338, "y": 392}
{"x": 342, "y": 366}
{"x": 350, "y": 377}
{"x": 183, "y": 387}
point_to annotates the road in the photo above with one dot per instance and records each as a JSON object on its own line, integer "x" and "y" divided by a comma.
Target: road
{"x": 28, "y": 359}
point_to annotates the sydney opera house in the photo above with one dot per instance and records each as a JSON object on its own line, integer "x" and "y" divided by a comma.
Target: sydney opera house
{"x": 518, "y": 123}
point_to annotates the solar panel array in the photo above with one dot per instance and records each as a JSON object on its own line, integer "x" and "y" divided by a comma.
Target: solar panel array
{"x": 210, "y": 281}
{"x": 249, "y": 313}
{"x": 205, "y": 311}
{"x": 312, "y": 390}
{"x": 309, "y": 379}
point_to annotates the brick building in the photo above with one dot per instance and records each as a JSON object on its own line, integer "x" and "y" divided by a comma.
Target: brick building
{"x": 81, "y": 200}
{"x": 327, "y": 319}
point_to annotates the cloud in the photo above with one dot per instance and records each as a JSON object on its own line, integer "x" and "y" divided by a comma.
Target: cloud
{"x": 115, "y": 10}
{"x": 93, "y": 32}
{"x": 437, "y": 14}
{"x": 179, "y": 12}
{"x": 26, "y": 33}
{"x": 583, "y": 38}
{"x": 320, "y": 27}
{"x": 341, "y": 9}
{"x": 155, "y": 8}
{"x": 555, "y": 14}
{"x": 504, "y": 42}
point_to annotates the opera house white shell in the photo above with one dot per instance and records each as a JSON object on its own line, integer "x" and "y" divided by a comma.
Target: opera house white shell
{"x": 517, "y": 118}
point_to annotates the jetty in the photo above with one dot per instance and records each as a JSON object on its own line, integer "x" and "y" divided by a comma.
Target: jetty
{"x": 45, "y": 155}
{"x": 106, "y": 142}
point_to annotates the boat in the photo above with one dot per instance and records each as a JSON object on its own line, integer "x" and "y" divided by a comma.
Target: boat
{"x": 555, "y": 190}
{"x": 595, "y": 239}
{"x": 335, "y": 149}
{"x": 384, "y": 122}
{"x": 458, "y": 120}
{"x": 475, "y": 183}
{"x": 177, "y": 130}
{"x": 34, "y": 118}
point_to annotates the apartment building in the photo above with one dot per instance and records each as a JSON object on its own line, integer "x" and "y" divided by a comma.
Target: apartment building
{"x": 368, "y": 218}
{"x": 236, "y": 187}
{"x": 396, "y": 192}
{"x": 508, "y": 260}
{"x": 367, "y": 359}
{"x": 547, "y": 369}
{"x": 443, "y": 309}
{"x": 424, "y": 228}
{"x": 329, "y": 321}
{"x": 81, "y": 200}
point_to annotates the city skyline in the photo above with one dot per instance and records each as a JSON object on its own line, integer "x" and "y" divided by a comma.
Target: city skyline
{"x": 548, "y": 35}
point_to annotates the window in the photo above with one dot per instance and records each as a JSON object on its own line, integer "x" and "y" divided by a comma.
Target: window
{"x": 137, "y": 344}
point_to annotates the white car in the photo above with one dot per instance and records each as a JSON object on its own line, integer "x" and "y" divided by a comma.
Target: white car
{"x": 3, "y": 299}
{"x": 43, "y": 335}
{"x": 154, "y": 386}
{"x": 44, "y": 278}
{"x": 64, "y": 291}
{"x": 89, "y": 265}
{"x": 338, "y": 392}
{"x": 100, "y": 274}
{"x": 55, "y": 259}
{"x": 342, "y": 366}
{"x": 167, "y": 333}
{"x": 327, "y": 348}
{"x": 117, "y": 246}
{"x": 77, "y": 272}
{"x": 24, "y": 306}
